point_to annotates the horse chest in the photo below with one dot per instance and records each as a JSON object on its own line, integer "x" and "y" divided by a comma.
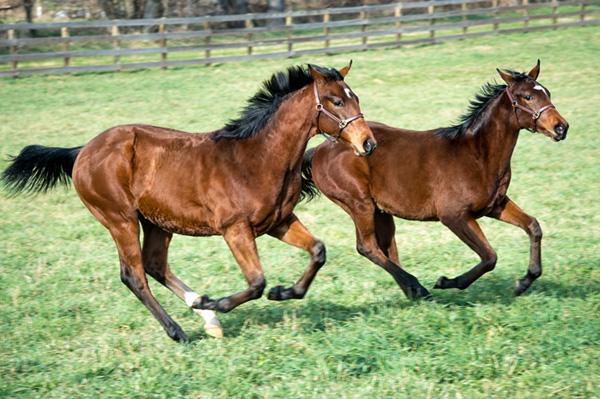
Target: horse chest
{"x": 498, "y": 194}
{"x": 277, "y": 204}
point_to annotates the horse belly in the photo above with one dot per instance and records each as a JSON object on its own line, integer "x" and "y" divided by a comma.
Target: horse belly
{"x": 176, "y": 219}
{"x": 404, "y": 199}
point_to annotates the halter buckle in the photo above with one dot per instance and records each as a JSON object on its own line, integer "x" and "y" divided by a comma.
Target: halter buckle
{"x": 319, "y": 107}
{"x": 536, "y": 115}
{"x": 343, "y": 123}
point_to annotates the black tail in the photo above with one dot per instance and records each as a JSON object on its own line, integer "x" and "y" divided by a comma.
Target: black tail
{"x": 309, "y": 189}
{"x": 37, "y": 169}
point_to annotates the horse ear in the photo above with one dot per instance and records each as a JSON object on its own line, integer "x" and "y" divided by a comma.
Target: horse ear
{"x": 314, "y": 72}
{"x": 535, "y": 72}
{"x": 507, "y": 77}
{"x": 344, "y": 70}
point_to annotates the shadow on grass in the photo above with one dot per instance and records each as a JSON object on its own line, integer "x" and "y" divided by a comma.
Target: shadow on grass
{"x": 499, "y": 290}
{"x": 313, "y": 315}
{"x": 316, "y": 315}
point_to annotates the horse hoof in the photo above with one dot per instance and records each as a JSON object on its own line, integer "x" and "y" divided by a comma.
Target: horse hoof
{"x": 204, "y": 303}
{"x": 420, "y": 293}
{"x": 214, "y": 331}
{"x": 520, "y": 287}
{"x": 442, "y": 283}
{"x": 176, "y": 334}
{"x": 275, "y": 293}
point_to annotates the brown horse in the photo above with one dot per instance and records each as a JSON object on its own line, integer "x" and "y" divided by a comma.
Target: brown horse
{"x": 455, "y": 175}
{"x": 240, "y": 182}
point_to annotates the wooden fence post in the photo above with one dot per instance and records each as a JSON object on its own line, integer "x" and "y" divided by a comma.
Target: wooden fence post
{"x": 64, "y": 33}
{"x": 116, "y": 45}
{"x": 163, "y": 45}
{"x": 431, "y": 22}
{"x": 13, "y": 50}
{"x": 582, "y": 16}
{"x": 207, "y": 40}
{"x": 288, "y": 24}
{"x": 248, "y": 24}
{"x": 463, "y": 7}
{"x": 326, "y": 29}
{"x": 398, "y": 15}
{"x": 526, "y": 14}
{"x": 495, "y": 15}
{"x": 554, "y": 13}
{"x": 363, "y": 28}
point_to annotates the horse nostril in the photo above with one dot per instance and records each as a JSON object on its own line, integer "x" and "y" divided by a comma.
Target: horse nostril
{"x": 369, "y": 146}
{"x": 559, "y": 129}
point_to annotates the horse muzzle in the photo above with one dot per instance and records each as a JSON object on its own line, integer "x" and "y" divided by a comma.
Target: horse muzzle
{"x": 368, "y": 146}
{"x": 560, "y": 131}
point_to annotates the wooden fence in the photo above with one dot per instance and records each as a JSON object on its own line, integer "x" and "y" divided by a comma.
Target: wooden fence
{"x": 115, "y": 45}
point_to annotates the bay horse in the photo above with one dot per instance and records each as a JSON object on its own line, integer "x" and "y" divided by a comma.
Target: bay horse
{"x": 454, "y": 175}
{"x": 240, "y": 182}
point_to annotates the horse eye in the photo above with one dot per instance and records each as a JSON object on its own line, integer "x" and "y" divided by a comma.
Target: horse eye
{"x": 528, "y": 98}
{"x": 338, "y": 103}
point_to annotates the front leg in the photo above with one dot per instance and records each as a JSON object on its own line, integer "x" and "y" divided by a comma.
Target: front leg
{"x": 293, "y": 232}
{"x": 509, "y": 212}
{"x": 467, "y": 229}
{"x": 240, "y": 240}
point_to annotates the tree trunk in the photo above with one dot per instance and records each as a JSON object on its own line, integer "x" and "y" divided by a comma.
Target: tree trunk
{"x": 276, "y": 6}
{"x": 153, "y": 9}
{"x": 234, "y": 7}
{"x": 28, "y": 5}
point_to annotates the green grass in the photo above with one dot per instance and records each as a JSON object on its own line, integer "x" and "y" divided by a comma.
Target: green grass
{"x": 70, "y": 329}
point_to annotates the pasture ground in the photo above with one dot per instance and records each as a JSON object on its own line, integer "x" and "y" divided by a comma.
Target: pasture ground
{"x": 70, "y": 329}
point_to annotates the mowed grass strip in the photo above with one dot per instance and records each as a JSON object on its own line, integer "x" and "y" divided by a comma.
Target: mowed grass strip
{"x": 69, "y": 327}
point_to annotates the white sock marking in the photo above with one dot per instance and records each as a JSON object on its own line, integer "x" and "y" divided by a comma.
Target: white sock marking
{"x": 210, "y": 318}
{"x": 190, "y": 297}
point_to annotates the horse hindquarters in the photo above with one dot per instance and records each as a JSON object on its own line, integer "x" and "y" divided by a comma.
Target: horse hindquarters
{"x": 102, "y": 178}
{"x": 344, "y": 179}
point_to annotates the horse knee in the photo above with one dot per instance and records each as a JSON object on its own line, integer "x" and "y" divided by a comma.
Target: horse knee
{"x": 363, "y": 250}
{"x": 319, "y": 253}
{"x": 257, "y": 287}
{"x": 130, "y": 280}
{"x": 489, "y": 262}
{"x": 534, "y": 230}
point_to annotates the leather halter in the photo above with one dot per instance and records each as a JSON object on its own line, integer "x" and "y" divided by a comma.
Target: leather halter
{"x": 342, "y": 123}
{"x": 535, "y": 115}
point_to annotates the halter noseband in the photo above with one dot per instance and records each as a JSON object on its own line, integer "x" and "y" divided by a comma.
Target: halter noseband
{"x": 342, "y": 123}
{"x": 535, "y": 115}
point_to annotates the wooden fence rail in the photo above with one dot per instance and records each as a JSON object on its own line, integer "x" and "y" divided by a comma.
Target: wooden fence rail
{"x": 114, "y": 45}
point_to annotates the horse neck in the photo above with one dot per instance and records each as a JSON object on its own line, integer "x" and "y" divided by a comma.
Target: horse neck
{"x": 283, "y": 140}
{"x": 498, "y": 136}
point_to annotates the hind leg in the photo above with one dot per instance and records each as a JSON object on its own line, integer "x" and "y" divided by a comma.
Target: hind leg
{"x": 367, "y": 246}
{"x": 384, "y": 231}
{"x": 468, "y": 230}
{"x": 125, "y": 233}
{"x": 293, "y": 232}
{"x": 154, "y": 257}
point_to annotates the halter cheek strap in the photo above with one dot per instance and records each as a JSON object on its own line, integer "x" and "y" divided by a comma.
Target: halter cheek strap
{"x": 535, "y": 115}
{"x": 342, "y": 123}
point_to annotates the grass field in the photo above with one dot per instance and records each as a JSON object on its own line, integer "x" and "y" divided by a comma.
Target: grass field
{"x": 70, "y": 329}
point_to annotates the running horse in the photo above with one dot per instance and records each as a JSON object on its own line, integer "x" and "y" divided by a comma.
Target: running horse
{"x": 240, "y": 182}
{"x": 454, "y": 175}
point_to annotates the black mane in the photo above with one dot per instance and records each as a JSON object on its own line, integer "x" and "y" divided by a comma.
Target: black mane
{"x": 267, "y": 100}
{"x": 470, "y": 120}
